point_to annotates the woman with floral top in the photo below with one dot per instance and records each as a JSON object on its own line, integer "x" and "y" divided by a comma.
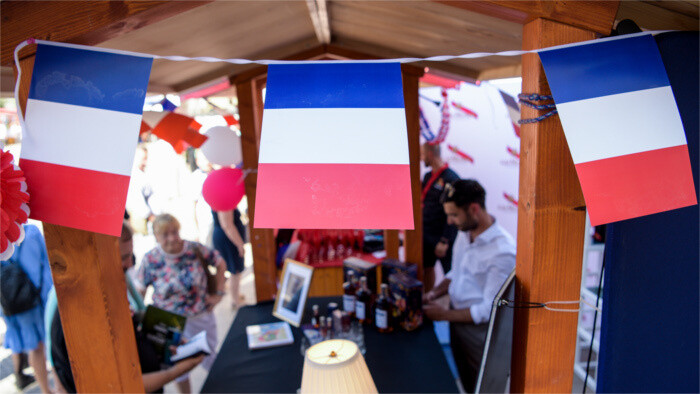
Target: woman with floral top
{"x": 179, "y": 282}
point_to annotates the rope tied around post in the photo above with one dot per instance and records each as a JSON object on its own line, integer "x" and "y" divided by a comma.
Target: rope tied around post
{"x": 530, "y": 100}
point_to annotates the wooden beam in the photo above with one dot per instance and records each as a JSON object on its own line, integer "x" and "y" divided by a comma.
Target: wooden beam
{"x": 319, "y": 18}
{"x": 656, "y": 15}
{"x": 376, "y": 51}
{"x": 515, "y": 70}
{"x": 413, "y": 240}
{"x": 551, "y": 222}
{"x": 79, "y": 22}
{"x": 391, "y": 243}
{"x": 597, "y": 16}
{"x": 91, "y": 291}
{"x": 232, "y": 70}
{"x": 250, "y": 106}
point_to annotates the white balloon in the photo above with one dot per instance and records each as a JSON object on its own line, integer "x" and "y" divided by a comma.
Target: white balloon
{"x": 223, "y": 147}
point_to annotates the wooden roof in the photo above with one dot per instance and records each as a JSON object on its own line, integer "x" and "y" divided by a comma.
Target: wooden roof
{"x": 281, "y": 29}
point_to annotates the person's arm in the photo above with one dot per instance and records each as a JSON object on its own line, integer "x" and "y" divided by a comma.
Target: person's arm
{"x": 499, "y": 268}
{"x": 213, "y": 299}
{"x": 153, "y": 381}
{"x": 142, "y": 277}
{"x": 226, "y": 221}
{"x": 437, "y": 291}
{"x": 220, "y": 270}
{"x": 438, "y": 312}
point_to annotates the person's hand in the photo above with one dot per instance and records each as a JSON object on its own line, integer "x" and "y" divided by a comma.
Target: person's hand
{"x": 212, "y": 300}
{"x": 186, "y": 365}
{"x": 241, "y": 250}
{"x": 428, "y": 297}
{"x": 441, "y": 249}
{"x": 435, "y": 312}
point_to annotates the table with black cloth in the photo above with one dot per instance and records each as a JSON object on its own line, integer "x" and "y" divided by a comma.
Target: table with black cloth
{"x": 400, "y": 362}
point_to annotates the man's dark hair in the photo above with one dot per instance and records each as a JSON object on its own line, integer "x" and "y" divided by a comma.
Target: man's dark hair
{"x": 463, "y": 193}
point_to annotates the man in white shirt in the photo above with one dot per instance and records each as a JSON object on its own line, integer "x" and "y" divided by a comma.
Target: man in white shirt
{"x": 482, "y": 258}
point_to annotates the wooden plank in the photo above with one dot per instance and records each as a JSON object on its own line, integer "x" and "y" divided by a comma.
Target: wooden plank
{"x": 319, "y": 18}
{"x": 597, "y": 16}
{"x": 658, "y": 16}
{"x": 91, "y": 290}
{"x": 262, "y": 240}
{"x": 391, "y": 243}
{"x": 413, "y": 242}
{"x": 501, "y": 72}
{"x": 92, "y": 301}
{"x": 551, "y": 222}
{"x": 79, "y": 22}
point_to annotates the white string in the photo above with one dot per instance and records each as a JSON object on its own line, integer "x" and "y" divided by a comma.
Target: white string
{"x": 21, "y": 45}
{"x": 475, "y": 55}
{"x": 582, "y": 300}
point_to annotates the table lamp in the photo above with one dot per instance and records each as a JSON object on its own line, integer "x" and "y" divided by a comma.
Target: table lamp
{"x": 336, "y": 366}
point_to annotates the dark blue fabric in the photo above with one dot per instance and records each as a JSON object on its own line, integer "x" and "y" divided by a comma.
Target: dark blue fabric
{"x": 90, "y": 78}
{"x": 604, "y": 68}
{"x": 226, "y": 248}
{"x": 649, "y": 335}
{"x": 337, "y": 85}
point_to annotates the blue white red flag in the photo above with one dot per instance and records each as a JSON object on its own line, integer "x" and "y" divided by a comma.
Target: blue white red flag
{"x": 334, "y": 148}
{"x": 83, "y": 118}
{"x": 622, "y": 126}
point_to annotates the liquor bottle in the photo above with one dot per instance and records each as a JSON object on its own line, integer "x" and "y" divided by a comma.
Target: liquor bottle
{"x": 329, "y": 329}
{"x": 355, "y": 282}
{"x": 349, "y": 298}
{"x": 315, "y": 317}
{"x": 383, "y": 311}
{"x": 363, "y": 303}
{"x": 323, "y": 329}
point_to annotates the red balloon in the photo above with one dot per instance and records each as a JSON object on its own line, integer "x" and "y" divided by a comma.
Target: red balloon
{"x": 223, "y": 189}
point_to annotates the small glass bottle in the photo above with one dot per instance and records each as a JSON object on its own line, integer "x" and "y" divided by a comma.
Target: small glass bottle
{"x": 315, "y": 317}
{"x": 329, "y": 329}
{"x": 383, "y": 311}
{"x": 363, "y": 303}
{"x": 323, "y": 328}
{"x": 349, "y": 298}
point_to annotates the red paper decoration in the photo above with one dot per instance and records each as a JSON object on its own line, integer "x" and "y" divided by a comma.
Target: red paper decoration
{"x": 14, "y": 210}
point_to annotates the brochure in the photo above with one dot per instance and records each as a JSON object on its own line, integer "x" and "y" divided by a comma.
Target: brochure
{"x": 269, "y": 335}
{"x": 195, "y": 346}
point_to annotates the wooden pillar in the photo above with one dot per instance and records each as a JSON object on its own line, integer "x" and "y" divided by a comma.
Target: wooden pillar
{"x": 391, "y": 243}
{"x": 250, "y": 107}
{"x": 92, "y": 300}
{"x": 551, "y": 222}
{"x": 413, "y": 242}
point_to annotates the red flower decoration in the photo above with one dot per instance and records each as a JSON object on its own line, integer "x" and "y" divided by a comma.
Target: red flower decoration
{"x": 14, "y": 210}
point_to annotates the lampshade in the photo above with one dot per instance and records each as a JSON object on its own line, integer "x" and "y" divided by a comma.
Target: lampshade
{"x": 336, "y": 366}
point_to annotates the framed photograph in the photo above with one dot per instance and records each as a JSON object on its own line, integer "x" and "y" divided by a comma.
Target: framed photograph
{"x": 291, "y": 295}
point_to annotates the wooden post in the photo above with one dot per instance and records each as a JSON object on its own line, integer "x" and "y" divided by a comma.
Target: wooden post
{"x": 413, "y": 242}
{"x": 250, "y": 107}
{"x": 92, "y": 301}
{"x": 551, "y": 222}
{"x": 391, "y": 243}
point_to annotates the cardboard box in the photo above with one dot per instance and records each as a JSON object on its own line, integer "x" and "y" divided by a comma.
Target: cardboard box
{"x": 393, "y": 266}
{"x": 408, "y": 299}
{"x": 361, "y": 268}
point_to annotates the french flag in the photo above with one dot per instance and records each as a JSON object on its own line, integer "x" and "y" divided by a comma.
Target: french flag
{"x": 83, "y": 118}
{"x": 622, "y": 126}
{"x": 334, "y": 148}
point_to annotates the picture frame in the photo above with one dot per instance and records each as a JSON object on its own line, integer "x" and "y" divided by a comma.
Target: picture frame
{"x": 292, "y": 292}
